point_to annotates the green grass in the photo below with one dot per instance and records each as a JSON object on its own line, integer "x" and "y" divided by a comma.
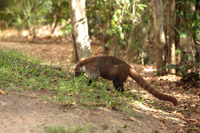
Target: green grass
{"x": 67, "y": 129}
{"x": 19, "y": 72}
{"x": 55, "y": 129}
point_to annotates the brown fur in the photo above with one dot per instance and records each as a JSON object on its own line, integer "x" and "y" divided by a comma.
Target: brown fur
{"x": 112, "y": 68}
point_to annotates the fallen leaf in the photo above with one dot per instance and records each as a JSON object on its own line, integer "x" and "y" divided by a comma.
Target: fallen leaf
{"x": 65, "y": 110}
{"x": 104, "y": 126}
{"x": 131, "y": 118}
{"x": 20, "y": 121}
{"x": 119, "y": 131}
{"x": 124, "y": 126}
{"x": 97, "y": 113}
{"x": 46, "y": 90}
{"x": 162, "y": 120}
{"x": 45, "y": 127}
{"x": 80, "y": 113}
{"x": 191, "y": 120}
{"x": 72, "y": 106}
{"x": 2, "y": 92}
{"x": 114, "y": 108}
{"x": 31, "y": 96}
{"x": 187, "y": 117}
{"x": 162, "y": 124}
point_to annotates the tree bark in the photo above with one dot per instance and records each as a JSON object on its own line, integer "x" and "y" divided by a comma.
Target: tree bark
{"x": 130, "y": 54}
{"x": 159, "y": 35}
{"x": 171, "y": 33}
{"x": 79, "y": 29}
{"x": 55, "y": 23}
{"x": 177, "y": 34}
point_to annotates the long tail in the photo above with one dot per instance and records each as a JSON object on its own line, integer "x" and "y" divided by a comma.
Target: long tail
{"x": 134, "y": 75}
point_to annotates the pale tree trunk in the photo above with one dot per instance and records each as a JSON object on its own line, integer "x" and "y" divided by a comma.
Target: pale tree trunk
{"x": 55, "y": 23}
{"x": 193, "y": 37}
{"x": 117, "y": 48}
{"x": 79, "y": 29}
{"x": 159, "y": 35}
{"x": 177, "y": 34}
{"x": 130, "y": 54}
{"x": 171, "y": 33}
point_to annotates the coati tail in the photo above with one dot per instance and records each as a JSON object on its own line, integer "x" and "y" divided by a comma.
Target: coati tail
{"x": 134, "y": 75}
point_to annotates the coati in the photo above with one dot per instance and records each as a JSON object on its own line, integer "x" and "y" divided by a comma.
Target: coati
{"x": 112, "y": 68}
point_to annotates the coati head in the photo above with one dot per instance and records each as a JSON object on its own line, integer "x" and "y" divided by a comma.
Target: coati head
{"x": 79, "y": 69}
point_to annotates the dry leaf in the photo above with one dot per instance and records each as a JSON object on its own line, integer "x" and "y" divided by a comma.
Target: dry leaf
{"x": 20, "y": 121}
{"x": 162, "y": 120}
{"x": 2, "y": 92}
{"x": 191, "y": 120}
{"x": 65, "y": 110}
{"x": 97, "y": 113}
{"x": 131, "y": 118}
{"x": 162, "y": 124}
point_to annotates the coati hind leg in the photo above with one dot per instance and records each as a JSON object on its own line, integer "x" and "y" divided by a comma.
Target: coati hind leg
{"x": 118, "y": 83}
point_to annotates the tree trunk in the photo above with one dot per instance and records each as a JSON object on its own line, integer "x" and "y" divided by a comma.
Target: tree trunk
{"x": 130, "y": 54}
{"x": 171, "y": 33}
{"x": 177, "y": 34}
{"x": 197, "y": 10}
{"x": 79, "y": 29}
{"x": 56, "y": 19}
{"x": 117, "y": 47}
{"x": 193, "y": 34}
{"x": 159, "y": 35}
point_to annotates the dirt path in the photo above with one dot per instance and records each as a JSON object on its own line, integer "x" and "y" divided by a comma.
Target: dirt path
{"x": 25, "y": 112}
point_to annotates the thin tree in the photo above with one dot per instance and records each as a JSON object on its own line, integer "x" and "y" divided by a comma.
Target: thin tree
{"x": 79, "y": 29}
{"x": 177, "y": 34}
{"x": 171, "y": 33}
{"x": 159, "y": 34}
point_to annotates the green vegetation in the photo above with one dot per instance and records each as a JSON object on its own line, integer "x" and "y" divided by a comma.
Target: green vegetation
{"x": 186, "y": 76}
{"x": 108, "y": 20}
{"x": 27, "y": 14}
{"x": 21, "y": 73}
{"x": 61, "y": 129}
{"x": 119, "y": 20}
{"x": 55, "y": 129}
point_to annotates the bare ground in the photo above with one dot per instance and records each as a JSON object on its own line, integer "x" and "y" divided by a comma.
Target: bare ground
{"x": 26, "y": 112}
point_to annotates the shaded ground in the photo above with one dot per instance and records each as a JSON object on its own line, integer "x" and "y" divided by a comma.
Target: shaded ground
{"x": 25, "y": 112}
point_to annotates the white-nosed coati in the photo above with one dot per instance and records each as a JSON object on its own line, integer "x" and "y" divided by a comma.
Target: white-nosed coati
{"x": 112, "y": 68}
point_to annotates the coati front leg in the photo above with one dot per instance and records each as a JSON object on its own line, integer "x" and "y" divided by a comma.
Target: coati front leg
{"x": 91, "y": 79}
{"x": 118, "y": 83}
{"x": 90, "y": 82}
